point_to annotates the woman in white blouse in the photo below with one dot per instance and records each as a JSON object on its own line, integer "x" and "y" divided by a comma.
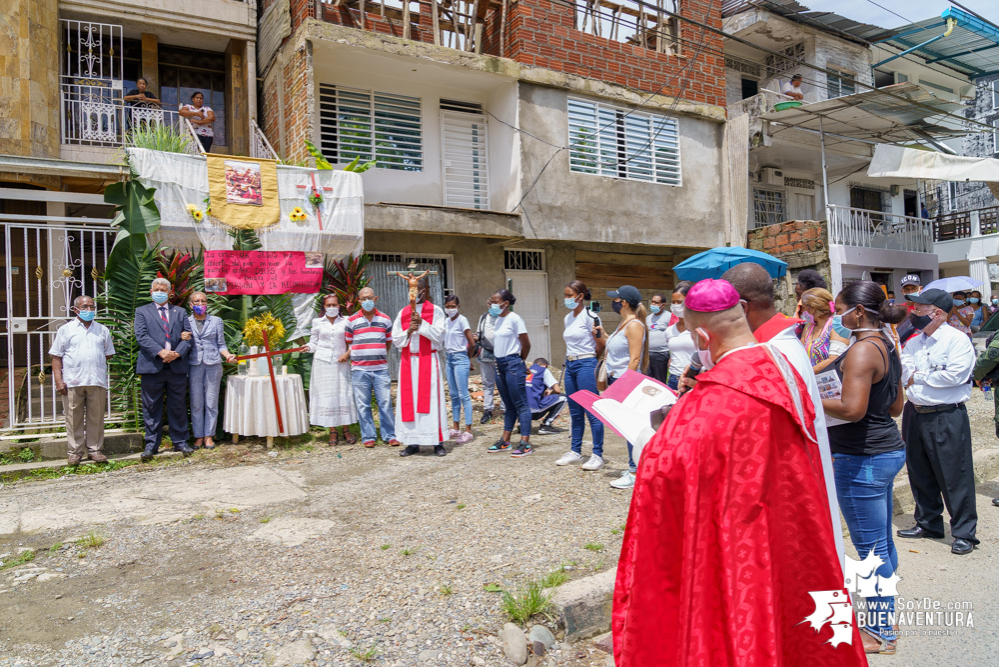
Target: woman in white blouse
{"x": 201, "y": 118}
{"x": 331, "y": 396}
{"x": 511, "y": 345}
{"x": 459, "y": 343}
{"x": 582, "y": 348}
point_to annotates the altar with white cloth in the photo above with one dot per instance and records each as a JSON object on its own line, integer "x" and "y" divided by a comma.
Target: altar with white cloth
{"x": 249, "y": 406}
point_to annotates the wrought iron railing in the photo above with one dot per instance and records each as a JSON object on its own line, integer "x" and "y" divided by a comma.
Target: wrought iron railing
{"x": 875, "y": 229}
{"x": 259, "y": 146}
{"x": 958, "y": 225}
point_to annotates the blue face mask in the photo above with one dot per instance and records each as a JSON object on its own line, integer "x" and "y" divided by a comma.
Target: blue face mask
{"x": 160, "y": 297}
{"x": 655, "y": 308}
{"x": 571, "y": 303}
{"x": 88, "y": 315}
{"x": 973, "y": 300}
{"x": 495, "y": 309}
{"x": 368, "y": 305}
{"x": 958, "y": 302}
{"x": 837, "y": 324}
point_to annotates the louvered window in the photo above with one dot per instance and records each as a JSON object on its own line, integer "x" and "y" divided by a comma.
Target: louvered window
{"x": 372, "y": 126}
{"x": 466, "y": 172}
{"x": 610, "y": 141}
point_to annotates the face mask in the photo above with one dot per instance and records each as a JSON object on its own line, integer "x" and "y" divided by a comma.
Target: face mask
{"x": 616, "y": 305}
{"x": 160, "y": 297}
{"x": 332, "y": 311}
{"x": 837, "y": 324}
{"x": 451, "y": 312}
{"x": 199, "y": 309}
{"x": 495, "y": 309}
{"x": 87, "y": 315}
{"x": 995, "y": 302}
{"x": 705, "y": 355}
{"x": 571, "y": 303}
{"x": 368, "y": 305}
{"x": 973, "y": 300}
{"x": 958, "y": 302}
{"x": 655, "y": 308}
{"x": 920, "y": 321}
{"x": 677, "y": 309}
{"x": 808, "y": 317}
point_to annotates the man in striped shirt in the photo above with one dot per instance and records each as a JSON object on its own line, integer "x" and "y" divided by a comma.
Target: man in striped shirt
{"x": 369, "y": 337}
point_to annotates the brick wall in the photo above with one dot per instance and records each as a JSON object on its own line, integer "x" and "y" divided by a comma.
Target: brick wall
{"x": 541, "y": 33}
{"x": 803, "y": 244}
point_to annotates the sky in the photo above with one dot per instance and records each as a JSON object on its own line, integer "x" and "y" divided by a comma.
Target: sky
{"x": 893, "y": 13}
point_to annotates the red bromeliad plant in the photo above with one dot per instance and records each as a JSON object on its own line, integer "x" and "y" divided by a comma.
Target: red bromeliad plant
{"x": 346, "y": 278}
{"x": 185, "y": 271}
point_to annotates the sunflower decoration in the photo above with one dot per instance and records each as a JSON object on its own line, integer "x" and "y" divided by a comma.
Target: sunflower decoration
{"x": 196, "y": 213}
{"x": 298, "y": 214}
{"x": 253, "y": 331}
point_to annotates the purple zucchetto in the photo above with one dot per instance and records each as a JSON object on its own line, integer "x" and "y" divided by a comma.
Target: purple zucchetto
{"x": 711, "y": 296}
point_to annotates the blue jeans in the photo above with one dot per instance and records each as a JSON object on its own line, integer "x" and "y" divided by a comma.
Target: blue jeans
{"x": 673, "y": 382}
{"x": 204, "y": 380}
{"x": 365, "y": 382}
{"x": 632, "y": 468}
{"x": 581, "y": 375}
{"x": 511, "y": 379}
{"x": 458, "y": 366}
{"x": 864, "y": 488}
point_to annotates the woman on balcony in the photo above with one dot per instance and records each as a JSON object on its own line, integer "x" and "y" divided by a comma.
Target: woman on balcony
{"x": 201, "y": 118}
{"x": 819, "y": 336}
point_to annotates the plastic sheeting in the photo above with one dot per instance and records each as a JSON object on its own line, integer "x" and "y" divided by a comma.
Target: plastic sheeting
{"x": 900, "y": 162}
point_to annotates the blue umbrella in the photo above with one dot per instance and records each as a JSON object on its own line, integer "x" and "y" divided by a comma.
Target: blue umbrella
{"x": 713, "y": 263}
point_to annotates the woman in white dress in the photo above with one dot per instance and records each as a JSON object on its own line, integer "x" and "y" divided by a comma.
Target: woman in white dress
{"x": 331, "y": 397}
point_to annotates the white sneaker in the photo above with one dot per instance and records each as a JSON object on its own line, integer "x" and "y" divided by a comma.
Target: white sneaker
{"x": 569, "y": 457}
{"x": 595, "y": 463}
{"x": 625, "y": 481}
{"x": 453, "y": 434}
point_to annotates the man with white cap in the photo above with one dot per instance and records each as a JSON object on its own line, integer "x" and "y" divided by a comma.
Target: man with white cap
{"x": 911, "y": 285}
{"x": 729, "y": 544}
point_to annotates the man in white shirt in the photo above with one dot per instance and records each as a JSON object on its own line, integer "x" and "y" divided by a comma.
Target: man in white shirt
{"x": 80, "y": 352}
{"x": 793, "y": 88}
{"x": 936, "y": 367}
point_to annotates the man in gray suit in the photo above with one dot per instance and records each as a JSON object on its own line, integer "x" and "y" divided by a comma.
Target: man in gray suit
{"x": 162, "y": 363}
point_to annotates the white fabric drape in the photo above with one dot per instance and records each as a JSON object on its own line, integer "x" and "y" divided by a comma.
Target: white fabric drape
{"x": 898, "y": 162}
{"x": 249, "y": 405}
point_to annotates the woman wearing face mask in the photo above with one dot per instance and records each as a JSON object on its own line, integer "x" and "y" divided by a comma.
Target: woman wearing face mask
{"x": 627, "y": 349}
{"x": 581, "y": 351}
{"x": 511, "y": 345}
{"x": 868, "y": 451}
{"x": 205, "y": 375}
{"x": 681, "y": 344}
{"x": 962, "y": 313}
{"x": 459, "y": 343}
{"x": 821, "y": 341}
{"x": 331, "y": 395}
{"x": 658, "y": 323}
{"x": 981, "y": 313}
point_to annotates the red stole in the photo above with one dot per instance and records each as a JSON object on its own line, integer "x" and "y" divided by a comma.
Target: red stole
{"x": 406, "y": 369}
{"x": 774, "y": 326}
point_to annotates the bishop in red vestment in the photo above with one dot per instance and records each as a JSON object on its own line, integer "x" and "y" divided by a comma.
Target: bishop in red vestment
{"x": 728, "y": 556}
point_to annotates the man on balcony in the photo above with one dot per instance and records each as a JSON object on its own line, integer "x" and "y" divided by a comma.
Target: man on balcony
{"x": 141, "y": 97}
{"x": 792, "y": 88}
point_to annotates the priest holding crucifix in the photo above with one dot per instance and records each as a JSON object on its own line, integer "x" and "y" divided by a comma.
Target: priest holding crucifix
{"x": 420, "y": 413}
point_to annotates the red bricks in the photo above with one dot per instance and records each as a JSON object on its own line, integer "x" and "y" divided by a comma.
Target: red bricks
{"x": 787, "y": 238}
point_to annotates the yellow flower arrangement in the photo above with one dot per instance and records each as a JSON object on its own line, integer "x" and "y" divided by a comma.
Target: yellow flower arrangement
{"x": 298, "y": 214}
{"x": 253, "y": 331}
{"x": 195, "y": 212}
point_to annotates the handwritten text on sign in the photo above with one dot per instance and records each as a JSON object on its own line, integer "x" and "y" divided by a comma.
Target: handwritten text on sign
{"x": 237, "y": 272}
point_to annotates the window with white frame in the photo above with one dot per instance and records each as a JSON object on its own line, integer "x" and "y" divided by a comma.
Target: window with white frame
{"x": 623, "y": 143}
{"x": 839, "y": 83}
{"x": 370, "y": 125}
{"x": 768, "y": 206}
{"x": 995, "y": 94}
{"x": 952, "y": 195}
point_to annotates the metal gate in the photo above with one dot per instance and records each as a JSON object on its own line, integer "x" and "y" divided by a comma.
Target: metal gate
{"x": 47, "y": 266}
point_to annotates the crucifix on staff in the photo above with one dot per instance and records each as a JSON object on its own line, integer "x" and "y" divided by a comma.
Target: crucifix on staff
{"x": 414, "y": 285}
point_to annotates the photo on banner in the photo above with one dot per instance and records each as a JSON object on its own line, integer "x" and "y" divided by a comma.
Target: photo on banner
{"x": 243, "y": 193}
{"x": 242, "y": 183}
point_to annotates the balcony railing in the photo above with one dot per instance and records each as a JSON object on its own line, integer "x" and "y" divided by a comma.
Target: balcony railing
{"x": 873, "y": 229}
{"x": 960, "y": 225}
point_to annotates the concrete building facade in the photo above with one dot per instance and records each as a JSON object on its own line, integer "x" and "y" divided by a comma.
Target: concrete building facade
{"x": 514, "y": 146}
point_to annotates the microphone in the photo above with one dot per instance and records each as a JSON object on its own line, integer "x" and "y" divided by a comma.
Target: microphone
{"x": 695, "y": 368}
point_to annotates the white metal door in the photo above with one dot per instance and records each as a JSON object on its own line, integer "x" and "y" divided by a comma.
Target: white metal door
{"x": 802, "y": 206}
{"x": 466, "y": 172}
{"x": 531, "y": 290}
{"x": 47, "y": 267}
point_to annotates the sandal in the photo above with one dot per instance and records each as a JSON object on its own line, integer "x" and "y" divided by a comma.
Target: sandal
{"x": 349, "y": 437}
{"x": 334, "y": 438}
{"x": 879, "y": 645}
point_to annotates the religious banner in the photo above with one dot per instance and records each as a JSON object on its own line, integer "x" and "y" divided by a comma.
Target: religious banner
{"x": 235, "y": 272}
{"x": 243, "y": 192}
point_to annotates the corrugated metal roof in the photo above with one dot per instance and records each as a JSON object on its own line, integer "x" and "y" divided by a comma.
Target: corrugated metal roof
{"x": 826, "y": 21}
{"x": 972, "y": 48}
{"x": 893, "y": 114}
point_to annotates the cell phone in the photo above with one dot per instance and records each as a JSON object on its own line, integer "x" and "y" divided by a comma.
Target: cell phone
{"x": 595, "y": 307}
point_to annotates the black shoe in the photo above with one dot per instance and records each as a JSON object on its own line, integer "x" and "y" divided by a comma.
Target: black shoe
{"x": 961, "y": 547}
{"x": 545, "y": 429}
{"x": 440, "y": 451}
{"x": 917, "y": 532}
{"x": 486, "y": 417}
{"x": 147, "y": 454}
{"x": 184, "y": 449}
{"x": 995, "y": 501}
{"x": 410, "y": 450}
